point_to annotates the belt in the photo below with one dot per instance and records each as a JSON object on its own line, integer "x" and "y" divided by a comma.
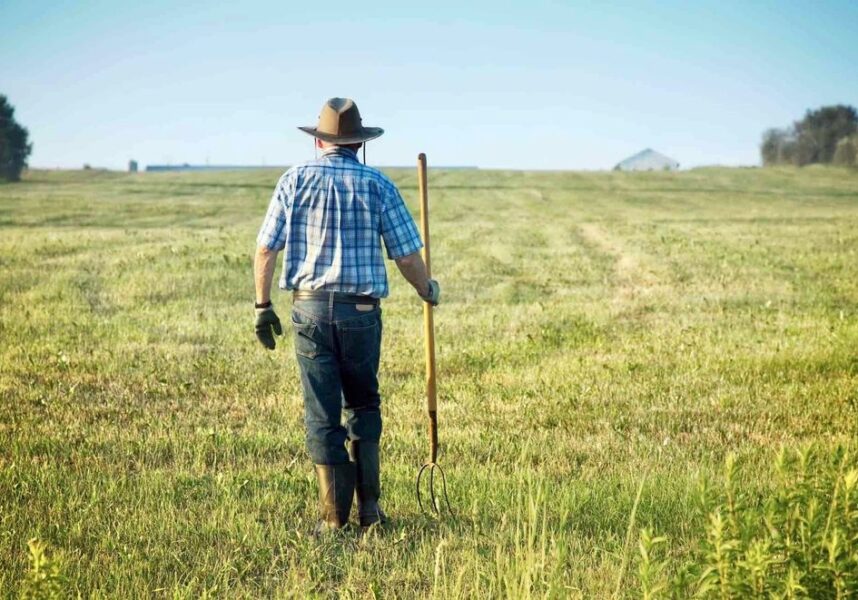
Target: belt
{"x": 337, "y": 297}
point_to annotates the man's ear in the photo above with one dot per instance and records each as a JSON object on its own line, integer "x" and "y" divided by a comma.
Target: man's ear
{"x": 319, "y": 144}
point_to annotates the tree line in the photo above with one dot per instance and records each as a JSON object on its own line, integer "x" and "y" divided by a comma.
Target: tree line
{"x": 14, "y": 145}
{"x": 828, "y": 135}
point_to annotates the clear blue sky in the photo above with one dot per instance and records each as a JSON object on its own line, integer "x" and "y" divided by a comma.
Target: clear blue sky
{"x": 546, "y": 85}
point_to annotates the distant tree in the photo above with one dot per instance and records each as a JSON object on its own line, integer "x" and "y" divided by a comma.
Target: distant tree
{"x": 846, "y": 153}
{"x": 14, "y": 148}
{"x": 779, "y": 147}
{"x": 770, "y": 149}
{"x": 820, "y": 130}
{"x": 788, "y": 152}
{"x": 814, "y": 139}
{"x": 769, "y": 146}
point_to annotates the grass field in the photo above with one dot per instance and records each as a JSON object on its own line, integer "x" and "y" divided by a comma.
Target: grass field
{"x": 617, "y": 352}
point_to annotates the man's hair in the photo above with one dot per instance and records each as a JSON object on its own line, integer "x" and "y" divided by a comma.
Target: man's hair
{"x": 354, "y": 147}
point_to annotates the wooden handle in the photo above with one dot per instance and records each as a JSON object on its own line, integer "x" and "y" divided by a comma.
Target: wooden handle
{"x": 424, "y": 210}
{"x": 428, "y": 323}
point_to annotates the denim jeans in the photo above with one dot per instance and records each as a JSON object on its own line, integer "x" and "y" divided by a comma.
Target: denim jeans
{"x": 338, "y": 348}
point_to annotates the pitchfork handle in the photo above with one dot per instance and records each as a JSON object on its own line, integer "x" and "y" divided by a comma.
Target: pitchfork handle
{"x": 428, "y": 323}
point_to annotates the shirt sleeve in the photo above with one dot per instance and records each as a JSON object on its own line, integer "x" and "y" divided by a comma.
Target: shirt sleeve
{"x": 272, "y": 234}
{"x": 398, "y": 230}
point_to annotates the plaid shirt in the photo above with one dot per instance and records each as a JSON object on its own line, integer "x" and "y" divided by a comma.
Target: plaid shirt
{"x": 330, "y": 215}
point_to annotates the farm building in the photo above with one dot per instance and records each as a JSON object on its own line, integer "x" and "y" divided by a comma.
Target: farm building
{"x": 647, "y": 160}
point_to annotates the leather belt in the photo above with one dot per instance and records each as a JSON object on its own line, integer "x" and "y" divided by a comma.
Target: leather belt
{"x": 337, "y": 297}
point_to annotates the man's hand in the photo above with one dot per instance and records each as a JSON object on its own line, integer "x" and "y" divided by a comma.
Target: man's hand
{"x": 433, "y": 295}
{"x": 267, "y": 324}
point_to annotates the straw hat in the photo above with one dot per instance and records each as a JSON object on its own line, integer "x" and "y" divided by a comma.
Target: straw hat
{"x": 340, "y": 123}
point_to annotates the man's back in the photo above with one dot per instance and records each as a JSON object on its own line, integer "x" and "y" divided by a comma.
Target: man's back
{"x": 329, "y": 215}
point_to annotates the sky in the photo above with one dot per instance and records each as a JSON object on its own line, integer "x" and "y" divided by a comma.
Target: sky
{"x": 523, "y": 85}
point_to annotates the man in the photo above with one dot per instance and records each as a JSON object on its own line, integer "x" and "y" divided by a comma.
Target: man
{"x": 329, "y": 217}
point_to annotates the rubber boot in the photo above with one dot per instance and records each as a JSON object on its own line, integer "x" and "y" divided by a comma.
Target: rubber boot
{"x": 336, "y": 490}
{"x": 364, "y": 456}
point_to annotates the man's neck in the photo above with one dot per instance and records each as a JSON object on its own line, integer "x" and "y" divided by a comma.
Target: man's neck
{"x": 339, "y": 150}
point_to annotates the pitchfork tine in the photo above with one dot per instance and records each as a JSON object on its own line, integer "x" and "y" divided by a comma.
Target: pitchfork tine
{"x": 434, "y": 497}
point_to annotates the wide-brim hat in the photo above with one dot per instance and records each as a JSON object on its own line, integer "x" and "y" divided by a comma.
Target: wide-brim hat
{"x": 340, "y": 123}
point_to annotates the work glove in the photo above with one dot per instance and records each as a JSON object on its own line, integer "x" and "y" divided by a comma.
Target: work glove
{"x": 266, "y": 321}
{"x": 434, "y": 295}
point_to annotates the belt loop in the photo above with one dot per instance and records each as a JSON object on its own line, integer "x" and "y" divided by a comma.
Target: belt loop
{"x": 331, "y": 307}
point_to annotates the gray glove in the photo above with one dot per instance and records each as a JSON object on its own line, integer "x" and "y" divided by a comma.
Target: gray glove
{"x": 434, "y": 295}
{"x": 266, "y": 321}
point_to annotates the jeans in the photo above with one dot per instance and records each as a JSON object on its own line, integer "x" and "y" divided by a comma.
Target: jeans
{"x": 338, "y": 348}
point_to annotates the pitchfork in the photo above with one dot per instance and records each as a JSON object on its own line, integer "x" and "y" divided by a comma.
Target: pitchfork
{"x": 431, "y": 467}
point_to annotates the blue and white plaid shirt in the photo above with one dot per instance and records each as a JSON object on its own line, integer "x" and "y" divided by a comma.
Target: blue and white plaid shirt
{"x": 330, "y": 215}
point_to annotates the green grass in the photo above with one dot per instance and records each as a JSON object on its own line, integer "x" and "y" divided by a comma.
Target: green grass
{"x": 606, "y": 341}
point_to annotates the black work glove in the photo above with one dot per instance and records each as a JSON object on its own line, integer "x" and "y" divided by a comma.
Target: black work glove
{"x": 434, "y": 295}
{"x": 266, "y": 321}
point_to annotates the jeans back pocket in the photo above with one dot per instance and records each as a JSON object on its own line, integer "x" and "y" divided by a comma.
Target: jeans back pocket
{"x": 360, "y": 339}
{"x": 305, "y": 343}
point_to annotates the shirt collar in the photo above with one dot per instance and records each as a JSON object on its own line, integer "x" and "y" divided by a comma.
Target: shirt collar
{"x": 340, "y": 151}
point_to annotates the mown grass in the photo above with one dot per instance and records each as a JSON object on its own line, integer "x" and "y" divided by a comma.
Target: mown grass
{"x": 606, "y": 342}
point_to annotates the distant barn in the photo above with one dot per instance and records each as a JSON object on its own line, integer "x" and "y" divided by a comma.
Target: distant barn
{"x": 647, "y": 160}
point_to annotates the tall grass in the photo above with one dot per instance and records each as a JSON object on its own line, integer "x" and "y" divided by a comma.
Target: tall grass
{"x": 606, "y": 341}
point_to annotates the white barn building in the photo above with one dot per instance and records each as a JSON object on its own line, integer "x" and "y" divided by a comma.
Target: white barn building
{"x": 647, "y": 160}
